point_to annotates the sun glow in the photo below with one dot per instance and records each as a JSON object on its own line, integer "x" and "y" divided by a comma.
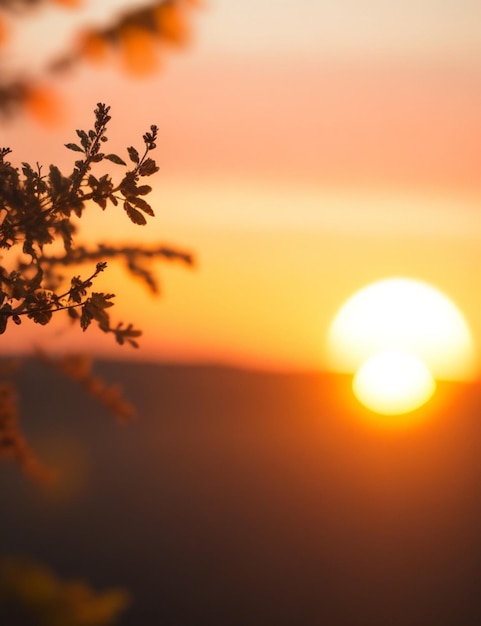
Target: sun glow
{"x": 393, "y": 383}
{"x": 397, "y": 336}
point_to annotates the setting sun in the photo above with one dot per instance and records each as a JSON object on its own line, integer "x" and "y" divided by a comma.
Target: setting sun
{"x": 240, "y": 311}
{"x": 393, "y": 383}
{"x": 397, "y": 336}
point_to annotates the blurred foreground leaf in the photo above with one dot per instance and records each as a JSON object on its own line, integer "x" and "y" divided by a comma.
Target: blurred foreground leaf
{"x": 33, "y": 595}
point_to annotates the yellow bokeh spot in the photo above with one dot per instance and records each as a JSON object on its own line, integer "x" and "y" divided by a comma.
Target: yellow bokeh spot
{"x": 393, "y": 382}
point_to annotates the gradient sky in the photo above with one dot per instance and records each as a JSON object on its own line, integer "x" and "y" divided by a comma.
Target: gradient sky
{"x": 306, "y": 150}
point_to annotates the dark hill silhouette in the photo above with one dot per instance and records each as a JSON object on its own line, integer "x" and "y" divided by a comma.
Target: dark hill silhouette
{"x": 241, "y": 499}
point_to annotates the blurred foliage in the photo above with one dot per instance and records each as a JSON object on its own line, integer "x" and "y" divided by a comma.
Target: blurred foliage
{"x": 13, "y": 444}
{"x": 38, "y": 213}
{"x": 138, "y": 37}
{"x": 39, "y": 210}
{"x": 78, "y": 367}
{"x": 32, "y": 595}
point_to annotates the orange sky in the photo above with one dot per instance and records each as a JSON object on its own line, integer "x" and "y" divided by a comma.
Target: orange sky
{"x": 297, "y": 168}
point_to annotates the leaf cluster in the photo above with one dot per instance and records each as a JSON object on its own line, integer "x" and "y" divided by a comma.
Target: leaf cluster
{"x": 39, "y": 212}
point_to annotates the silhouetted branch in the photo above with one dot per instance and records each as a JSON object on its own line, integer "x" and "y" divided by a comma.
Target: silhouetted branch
{"x": 36, "y": 211}
{"x": 133, "y": 257}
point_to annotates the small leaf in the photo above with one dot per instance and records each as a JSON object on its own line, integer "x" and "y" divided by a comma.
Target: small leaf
{"x": 4, "y": 314}
{"x": 101, "y": 300}
{"x": 148, "y": 167}
{"x": 27, "y": 170}
{"x": 72, "y": 313}
{"x": 115, "y": 159}
{"x": 85, "y": 318}
{"x": 73, "y": 146}
{"x": 55, "y": 177}
{"x": 135, "y": 216}
{"x": 84, "y": 140}
{"x": 143, "y": 190}
{"x": 144, "y": 206}
{"x": 133, "y": 154}
{"x": 128, "y": 186}
{"x": 41, "y": 316}
{"x": 102, "y": 202}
